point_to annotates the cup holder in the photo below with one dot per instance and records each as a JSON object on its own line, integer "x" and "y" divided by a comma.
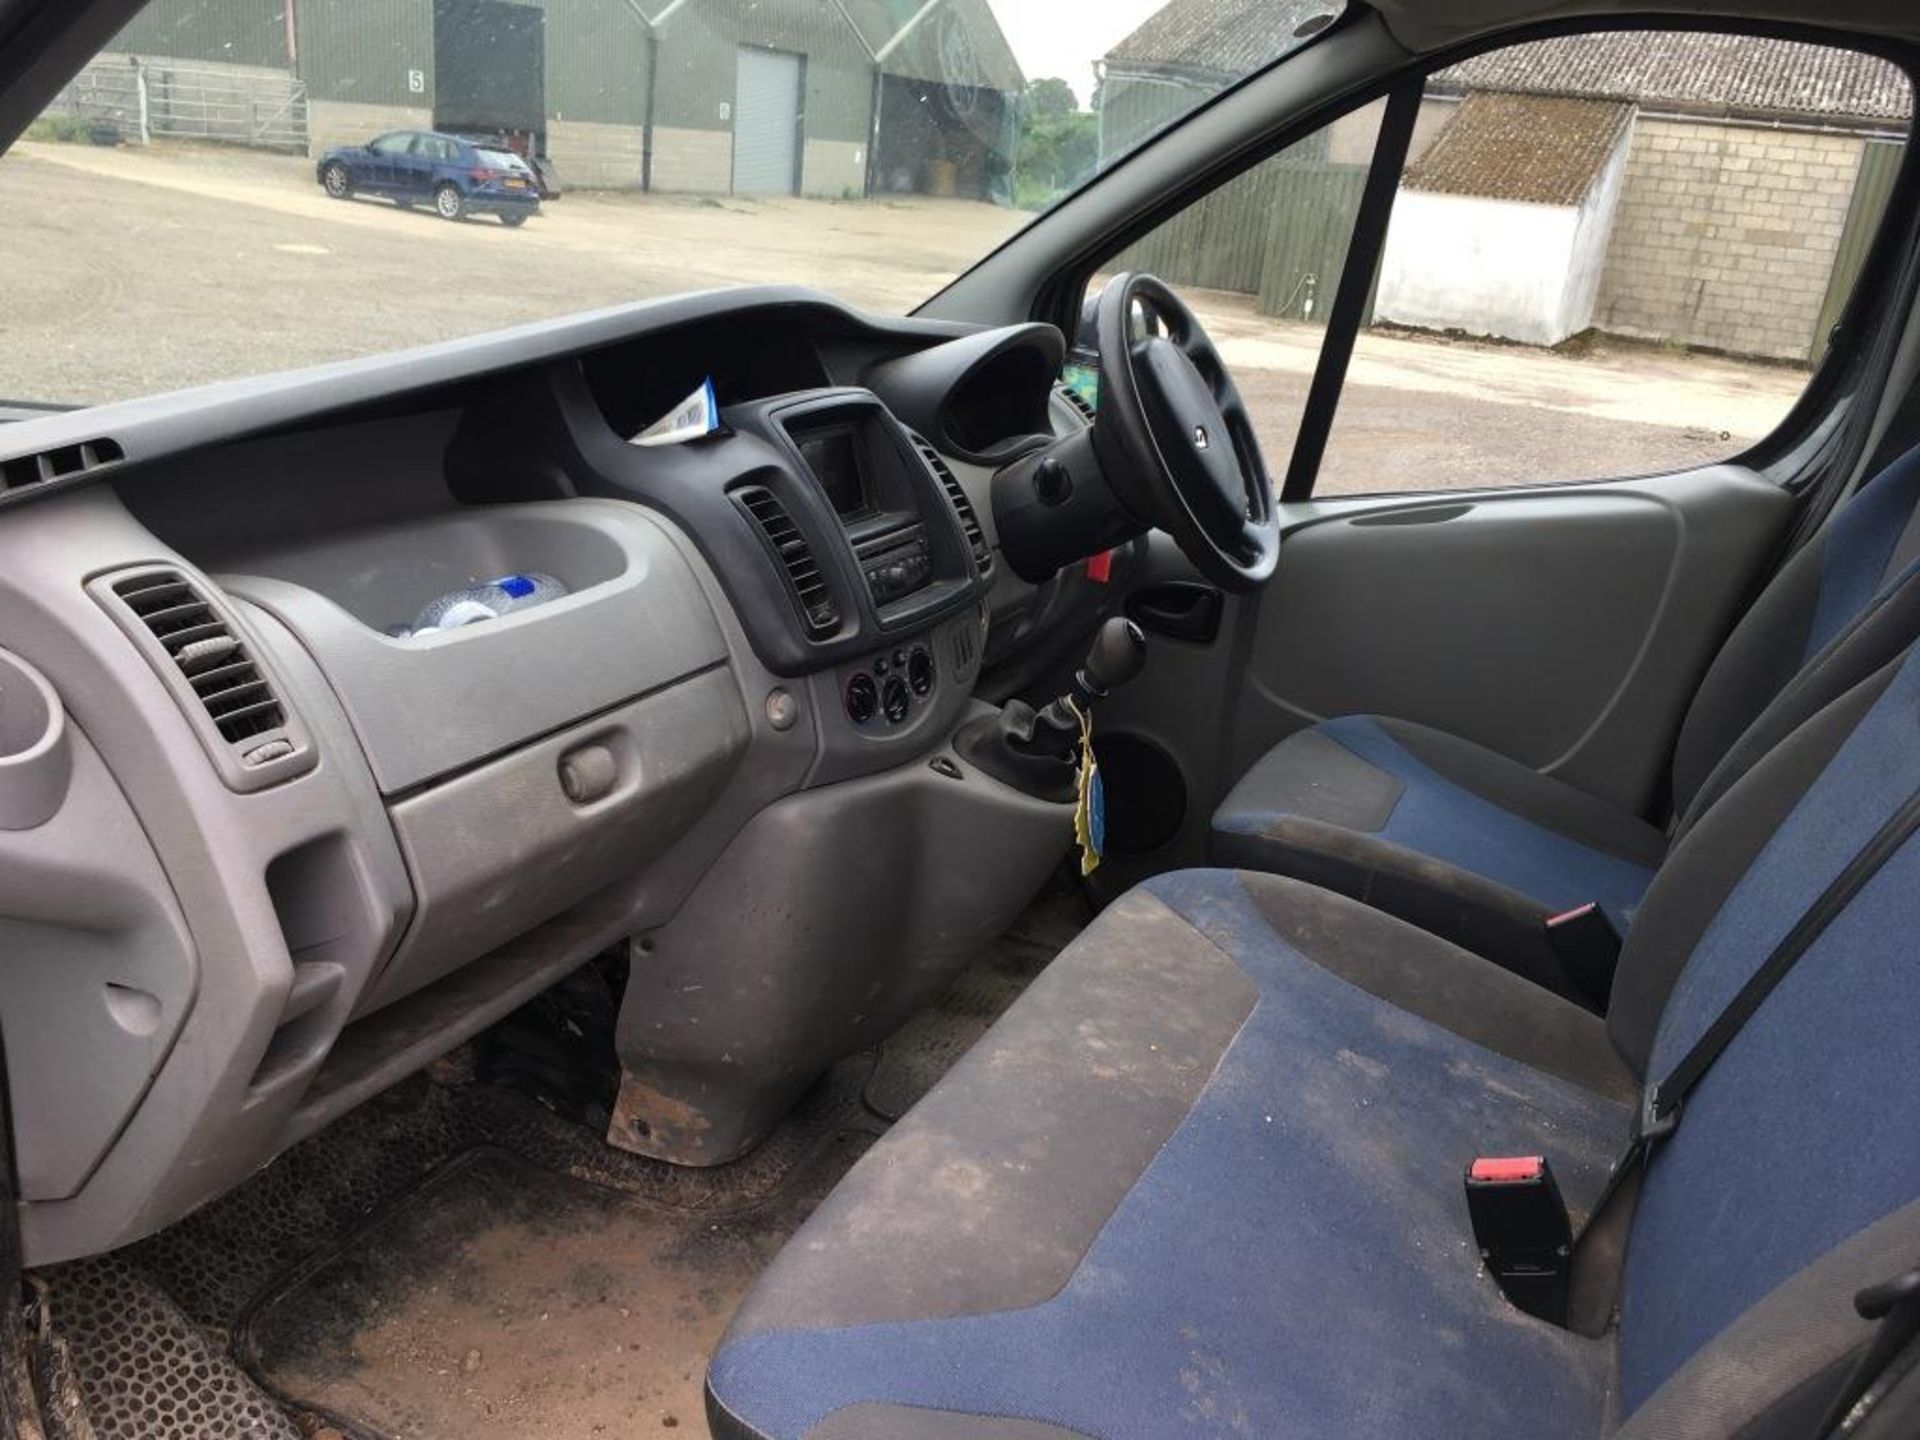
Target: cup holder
{"x": 36, "y": 757}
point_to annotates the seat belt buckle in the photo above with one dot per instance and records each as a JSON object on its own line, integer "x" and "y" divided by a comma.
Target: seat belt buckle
{"x": 1587, "y": 946}
{"x": 1520, "y": 1224}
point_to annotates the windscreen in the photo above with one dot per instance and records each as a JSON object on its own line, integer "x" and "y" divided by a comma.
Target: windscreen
{"x": 200, "y": 201}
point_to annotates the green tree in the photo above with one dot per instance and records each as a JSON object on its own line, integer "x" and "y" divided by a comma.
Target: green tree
{"x": 1050, "y": 98}
{"x": 1059, "y": 144}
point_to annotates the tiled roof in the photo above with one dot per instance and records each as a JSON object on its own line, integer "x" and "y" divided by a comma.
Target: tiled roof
{"x": 1666, "y": 70}
{"x": 1545, "y": 149}
{"x": 1719, "y": 74}
{"x": 1219, "y": 40}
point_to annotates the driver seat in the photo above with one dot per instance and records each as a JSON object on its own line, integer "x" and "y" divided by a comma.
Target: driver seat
{"x": 1480, "y": 849}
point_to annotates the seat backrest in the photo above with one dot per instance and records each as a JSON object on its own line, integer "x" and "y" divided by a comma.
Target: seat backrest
{"x": 1822, "y": 590}
{"x": 1794, "y": 1176}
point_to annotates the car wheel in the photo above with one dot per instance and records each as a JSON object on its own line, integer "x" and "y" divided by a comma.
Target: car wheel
{"x": 336, "y": 181}
{"x": 449, "y": 203}
{"x": 513, "y": 222}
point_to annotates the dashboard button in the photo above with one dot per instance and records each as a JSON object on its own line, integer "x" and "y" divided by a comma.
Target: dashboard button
{"x": 863, "y": 699}
{"x": 783, "y": 711}
{"x": 920, "y": 672}
{"x": 896, "y": 700}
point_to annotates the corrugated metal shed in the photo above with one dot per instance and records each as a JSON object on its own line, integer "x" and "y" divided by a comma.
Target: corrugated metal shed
{"x": 238, "y": 32}
{"x": 363, "y": 50}
{"x": 1542, "y": 149}
{"x": 596, "y": 61}
{"x": 699, "y": 53}
{"x": 958, "y": 43}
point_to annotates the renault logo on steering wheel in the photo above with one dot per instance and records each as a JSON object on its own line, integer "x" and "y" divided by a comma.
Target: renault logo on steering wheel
{"x": 1200, "y": 441}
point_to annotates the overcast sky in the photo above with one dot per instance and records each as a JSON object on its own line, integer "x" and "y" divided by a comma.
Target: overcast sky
{"x": 1065, "y": 37}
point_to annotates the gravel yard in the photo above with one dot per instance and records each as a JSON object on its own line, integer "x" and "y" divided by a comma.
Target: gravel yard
{"x": 132, "y": 271}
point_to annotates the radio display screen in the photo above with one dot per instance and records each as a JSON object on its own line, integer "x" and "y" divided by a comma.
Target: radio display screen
{"x": 834, "y": 457}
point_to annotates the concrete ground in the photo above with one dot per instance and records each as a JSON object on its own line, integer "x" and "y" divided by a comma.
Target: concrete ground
{"x": 131, "y": 271}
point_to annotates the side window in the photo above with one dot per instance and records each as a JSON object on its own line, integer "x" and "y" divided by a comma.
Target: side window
{"x": 1609, "y": 254}
{"x": 394, "y": 144}
{"x": 1258, "y": 260}
{"x": 1614, "y": 254}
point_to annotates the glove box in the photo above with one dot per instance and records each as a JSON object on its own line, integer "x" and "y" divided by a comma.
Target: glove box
{"x": 531, "y": 761}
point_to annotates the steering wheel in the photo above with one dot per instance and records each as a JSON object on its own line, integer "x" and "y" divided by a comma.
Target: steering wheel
{"x": 1174, "y": 438}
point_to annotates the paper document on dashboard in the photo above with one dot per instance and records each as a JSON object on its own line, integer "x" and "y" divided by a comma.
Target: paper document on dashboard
{"x": 697, "y": 415}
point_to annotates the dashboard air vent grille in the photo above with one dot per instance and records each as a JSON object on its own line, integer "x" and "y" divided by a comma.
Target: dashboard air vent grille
{"x": 217, "y": 667}
{"x": 1078, "y": 401}
{"x": 962, "y": 506}
{"x": 59, "y": 464}
{"x": 790, "y": 546}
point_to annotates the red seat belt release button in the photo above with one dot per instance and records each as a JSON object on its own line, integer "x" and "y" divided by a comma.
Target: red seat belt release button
{"x": 1587, "y": 946}
{"x": 1521, "y": 1227}
{"x": 1507, "y": 1170}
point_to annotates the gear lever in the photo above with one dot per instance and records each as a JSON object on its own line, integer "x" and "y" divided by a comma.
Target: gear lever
{"x": 1035, "y": 751}
{"x": 1118, "y": 654}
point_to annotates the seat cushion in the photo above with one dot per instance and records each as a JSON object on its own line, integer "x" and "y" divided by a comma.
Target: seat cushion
{"x": 1447, "y": 834}
{"x": 1204, "y": 1177}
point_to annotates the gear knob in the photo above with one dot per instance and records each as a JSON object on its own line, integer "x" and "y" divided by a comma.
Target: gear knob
{"x": 1118, "y": 654}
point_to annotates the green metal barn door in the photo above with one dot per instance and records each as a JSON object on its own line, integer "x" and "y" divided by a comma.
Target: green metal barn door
{"x": 1879, "y": 168}
{"x": 766, "y": 122}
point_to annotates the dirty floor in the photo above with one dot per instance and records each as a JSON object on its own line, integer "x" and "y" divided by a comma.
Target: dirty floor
{"x": 455, "y": 1259}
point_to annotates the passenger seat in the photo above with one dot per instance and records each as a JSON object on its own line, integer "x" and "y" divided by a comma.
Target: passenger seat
{"x": 1205, "y": 1177}
{"x": 1481, "y": 849}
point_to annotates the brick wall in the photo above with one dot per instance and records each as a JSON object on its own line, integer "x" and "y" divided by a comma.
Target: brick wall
{"x": 593, "y": 156}
{"x": 1726, "y": 236}
{"x": 341, "y": 122}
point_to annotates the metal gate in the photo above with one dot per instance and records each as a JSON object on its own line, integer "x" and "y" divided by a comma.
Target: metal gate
{"x": 766, "y": 122}
{"x": 144, "y": 101}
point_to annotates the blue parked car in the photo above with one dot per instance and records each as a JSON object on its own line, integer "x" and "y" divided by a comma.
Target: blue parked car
{"x": 420, "y": 167}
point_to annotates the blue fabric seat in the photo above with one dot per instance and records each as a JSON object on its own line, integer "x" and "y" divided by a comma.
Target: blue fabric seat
{"x": 1205, "y": 1176}
{"x": 1481, "y": 849}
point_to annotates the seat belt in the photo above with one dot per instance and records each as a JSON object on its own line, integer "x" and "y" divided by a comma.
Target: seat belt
{"x": 1508, "y": 1227}
{"x": 1662, "y": 1103}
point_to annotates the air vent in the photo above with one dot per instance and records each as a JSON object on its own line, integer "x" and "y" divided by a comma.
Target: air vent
{"x": 229, "y": 694}
{"x": 790, "y": 547}
{"x": 962, "y": 506}
{"x": 59, "y": 464}
{"x": 236, "y": 696}
{"x": 1078, "y": 401}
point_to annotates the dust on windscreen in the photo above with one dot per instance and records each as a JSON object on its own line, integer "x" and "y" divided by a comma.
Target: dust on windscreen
{"x": 198, "y": 202}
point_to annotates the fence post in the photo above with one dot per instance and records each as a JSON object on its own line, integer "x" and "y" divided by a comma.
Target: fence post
{"x": 140, "y": 97}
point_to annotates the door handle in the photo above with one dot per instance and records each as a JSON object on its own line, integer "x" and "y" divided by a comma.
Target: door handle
{"x": 1178, "y": 610}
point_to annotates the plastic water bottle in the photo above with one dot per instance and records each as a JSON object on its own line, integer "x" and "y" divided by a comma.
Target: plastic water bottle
{"x": 488, "y": 601}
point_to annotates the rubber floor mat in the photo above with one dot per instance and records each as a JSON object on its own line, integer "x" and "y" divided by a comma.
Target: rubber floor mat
{"x": 502, "y": 1299}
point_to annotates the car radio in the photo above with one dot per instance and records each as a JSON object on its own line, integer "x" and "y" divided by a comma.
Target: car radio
{"x": 896, "y": 563}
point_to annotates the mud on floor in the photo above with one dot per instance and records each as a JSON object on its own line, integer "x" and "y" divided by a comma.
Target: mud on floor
{"x": 151, "y": 1327}
{"x": 500, "y": 1298}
